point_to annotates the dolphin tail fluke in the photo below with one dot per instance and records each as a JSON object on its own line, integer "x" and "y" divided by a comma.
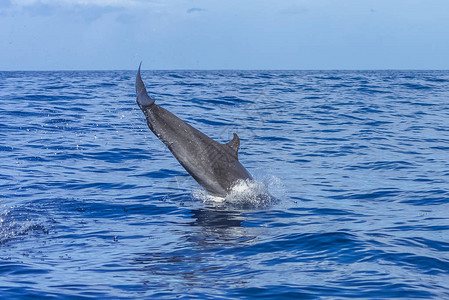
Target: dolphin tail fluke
{"x": 142, "y": 96}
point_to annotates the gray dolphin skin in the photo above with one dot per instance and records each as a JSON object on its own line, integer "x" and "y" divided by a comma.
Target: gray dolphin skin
{"x": 213, "y": 165}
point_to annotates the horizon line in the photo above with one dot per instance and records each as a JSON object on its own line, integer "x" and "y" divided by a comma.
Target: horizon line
{"x": 187, "y": 70}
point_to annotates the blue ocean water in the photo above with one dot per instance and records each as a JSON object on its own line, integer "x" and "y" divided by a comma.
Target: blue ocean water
{"x": 94, "y": 206}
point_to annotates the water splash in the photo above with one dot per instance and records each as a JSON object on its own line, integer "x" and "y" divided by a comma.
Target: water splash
{"x": 12, "y": 228}
{"x": 255, "y": 193}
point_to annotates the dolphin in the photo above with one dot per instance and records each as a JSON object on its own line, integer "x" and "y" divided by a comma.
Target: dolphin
{"x": 213, "y": 165}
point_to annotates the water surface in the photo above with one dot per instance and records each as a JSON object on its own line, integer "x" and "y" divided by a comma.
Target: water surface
{"x": 93, "y": 205}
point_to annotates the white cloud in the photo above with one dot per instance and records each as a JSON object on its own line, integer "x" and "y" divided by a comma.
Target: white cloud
{"x": 101, "y": 3}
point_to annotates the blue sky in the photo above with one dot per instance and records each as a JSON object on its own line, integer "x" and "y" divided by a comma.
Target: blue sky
{"x": 245, "y": 34}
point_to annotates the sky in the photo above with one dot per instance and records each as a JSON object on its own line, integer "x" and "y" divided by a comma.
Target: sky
{"x": 212, "y": 34}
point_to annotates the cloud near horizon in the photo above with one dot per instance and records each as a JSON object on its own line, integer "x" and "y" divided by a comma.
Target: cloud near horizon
{"x": 195, "y": 10}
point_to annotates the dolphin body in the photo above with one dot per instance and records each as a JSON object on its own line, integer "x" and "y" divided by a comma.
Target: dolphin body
{"x": 213, "y": 165}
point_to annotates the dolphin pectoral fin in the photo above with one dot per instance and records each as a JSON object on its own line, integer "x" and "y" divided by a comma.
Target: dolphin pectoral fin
{"x": 142, "y": 96}
{"x": 234, "y": 144}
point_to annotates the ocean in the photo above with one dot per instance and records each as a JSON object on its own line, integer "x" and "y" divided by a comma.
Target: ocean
{"x": 93, "y": 205}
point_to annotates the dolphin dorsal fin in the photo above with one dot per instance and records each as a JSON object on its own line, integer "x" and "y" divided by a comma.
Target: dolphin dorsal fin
{"x": 234, "y": 144}
{"x": 142, "y": 96}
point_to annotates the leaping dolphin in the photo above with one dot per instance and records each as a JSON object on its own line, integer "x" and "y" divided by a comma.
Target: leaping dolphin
{"x": 213, "y": 165}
